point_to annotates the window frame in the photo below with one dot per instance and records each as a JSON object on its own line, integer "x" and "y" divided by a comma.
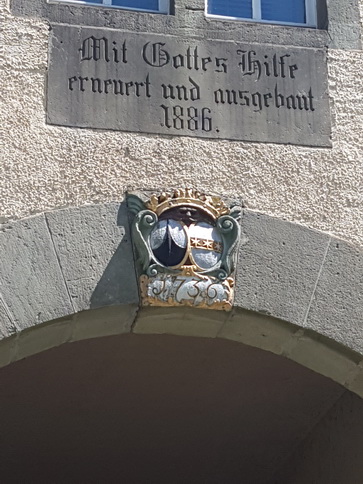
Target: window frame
{"x": 310, "y": 12}
{"x": 164, "y": 5}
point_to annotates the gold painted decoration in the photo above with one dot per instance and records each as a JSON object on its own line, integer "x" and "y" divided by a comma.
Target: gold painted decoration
{"x": 186, "y": 244}
{"x": 187, "y": 197}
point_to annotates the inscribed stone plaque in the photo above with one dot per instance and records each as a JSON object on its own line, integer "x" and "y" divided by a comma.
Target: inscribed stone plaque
{"x": 192, "y": 87}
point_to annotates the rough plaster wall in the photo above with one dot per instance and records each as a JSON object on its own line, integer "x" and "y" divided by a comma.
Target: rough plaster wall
{"x": 45, "y": 167}
{"x": 332, "y": 454}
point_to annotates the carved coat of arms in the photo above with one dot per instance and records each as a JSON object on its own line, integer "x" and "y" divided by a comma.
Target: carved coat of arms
{"x": 185, "y": 243}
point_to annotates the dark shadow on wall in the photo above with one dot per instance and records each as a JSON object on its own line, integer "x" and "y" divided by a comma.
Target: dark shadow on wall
{"x": 118, "y": 283}
{"x": 322, "y": 14}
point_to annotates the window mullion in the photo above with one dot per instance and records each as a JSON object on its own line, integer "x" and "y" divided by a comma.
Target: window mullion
{"x": 164, "y": 6}
{"x": 256, "y": 9}
{"x": 310, "y": 9}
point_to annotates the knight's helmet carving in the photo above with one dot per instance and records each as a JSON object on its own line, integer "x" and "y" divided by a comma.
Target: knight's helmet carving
{"x": 185, "y": 242}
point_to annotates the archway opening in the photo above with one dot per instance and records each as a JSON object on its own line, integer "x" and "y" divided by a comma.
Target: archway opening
{"x": 157, "y": 409}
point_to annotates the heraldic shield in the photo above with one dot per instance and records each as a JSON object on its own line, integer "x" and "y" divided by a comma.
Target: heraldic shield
{"x": 186, "y": 244}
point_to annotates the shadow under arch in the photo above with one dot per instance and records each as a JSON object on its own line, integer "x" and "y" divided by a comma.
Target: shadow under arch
{"x": 303, "y": 346}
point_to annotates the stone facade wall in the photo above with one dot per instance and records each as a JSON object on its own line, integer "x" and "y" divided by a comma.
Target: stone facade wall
{"x": 46, "y": 167}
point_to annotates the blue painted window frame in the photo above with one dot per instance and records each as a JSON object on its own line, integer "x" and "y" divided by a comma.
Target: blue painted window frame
{"x": 162, "y": 5}
{"x": 256, "y": 14}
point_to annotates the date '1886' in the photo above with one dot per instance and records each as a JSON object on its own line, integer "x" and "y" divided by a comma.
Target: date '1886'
{"x": 194, "y": 119}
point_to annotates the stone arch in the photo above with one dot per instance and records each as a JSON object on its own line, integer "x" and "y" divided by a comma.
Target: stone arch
{"x": 69, "y": 274}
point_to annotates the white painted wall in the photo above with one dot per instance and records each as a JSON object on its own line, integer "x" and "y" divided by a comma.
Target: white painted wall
{"x": 44, "y": 167}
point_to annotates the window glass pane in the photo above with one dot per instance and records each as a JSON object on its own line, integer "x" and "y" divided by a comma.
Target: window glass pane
{"x": 284, "y": 10}
{"x": 144, "y": 4}
{"x": 231, "y": 8}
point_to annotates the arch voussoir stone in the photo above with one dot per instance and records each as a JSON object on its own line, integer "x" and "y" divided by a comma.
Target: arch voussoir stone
{"x": 336, "y": 308}
{"x": 94, "y": 249}
{"x": 278, "y": 265}
{"x": 32, "y": 285}
{"x": 302, "y": 276}
{"x": 70, "y": 274}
